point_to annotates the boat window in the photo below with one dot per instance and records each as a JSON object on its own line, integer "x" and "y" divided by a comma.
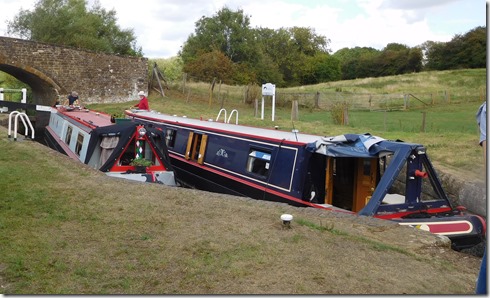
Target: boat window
{"x": 79, "y": 144}
{"x": 170, "y": 137}
{"x": 258, "y": 162}
{"x": 69, "y": 130}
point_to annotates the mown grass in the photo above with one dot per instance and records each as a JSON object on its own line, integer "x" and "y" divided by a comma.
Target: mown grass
{"x": 68, "y": 229}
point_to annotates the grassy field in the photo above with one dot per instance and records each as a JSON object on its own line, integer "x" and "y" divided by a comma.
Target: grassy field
{"x": 447, "y": 128}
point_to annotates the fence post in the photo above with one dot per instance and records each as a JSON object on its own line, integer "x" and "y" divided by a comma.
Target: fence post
{"x": 211, "y": 89}
{"x": 345, "y": 115}
{"x": 317, "y": 100}
{"x": 294, "y": 110}
{"x": 256, "y": 107}
{"x": 245, "y": 94}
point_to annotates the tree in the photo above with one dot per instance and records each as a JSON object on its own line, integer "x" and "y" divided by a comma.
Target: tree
{"x": 358, "y": 62}
{"x": 69, "y": 23}
{"x": 291, "y": 49}
{"x": 211, "y": 65}
{"x": 228, "y": 32}
{"x": 462, "y": 51}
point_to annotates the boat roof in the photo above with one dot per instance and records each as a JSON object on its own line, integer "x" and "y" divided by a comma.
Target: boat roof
{"x": 215, "y": 125}
{"x": 86, "y": 117}
{"x": 347, "y": 145}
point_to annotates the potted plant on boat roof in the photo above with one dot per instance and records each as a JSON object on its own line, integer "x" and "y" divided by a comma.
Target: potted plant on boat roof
{"x": 141, "y": 164}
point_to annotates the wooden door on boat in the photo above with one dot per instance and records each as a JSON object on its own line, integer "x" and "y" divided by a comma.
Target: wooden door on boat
{"x": 365, "y": 182}
{"x": 350, "y": 182}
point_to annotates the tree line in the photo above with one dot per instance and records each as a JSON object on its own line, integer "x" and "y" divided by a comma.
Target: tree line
{"x": 225, "y": 47}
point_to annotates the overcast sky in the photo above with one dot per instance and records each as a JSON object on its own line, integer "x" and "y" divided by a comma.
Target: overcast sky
{"x": 162, "y": 26}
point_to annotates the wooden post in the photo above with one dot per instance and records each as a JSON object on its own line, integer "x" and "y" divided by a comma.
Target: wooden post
{"x": 294, "y": 110}
{"x": 188, "y": 95}
{"x": 256, "y": 110}
{"x": 317, "y": 100}
{"x": 219, "y": 94}
{"x": 155, "y": 71}
{"x": 211, "y": 91}
{"x": 245, "y": 95}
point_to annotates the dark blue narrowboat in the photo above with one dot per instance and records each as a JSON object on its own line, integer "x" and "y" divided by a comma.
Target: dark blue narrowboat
{"x": 353, "y": 173}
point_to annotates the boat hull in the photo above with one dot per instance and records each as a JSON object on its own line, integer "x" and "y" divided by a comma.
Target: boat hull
{"x": 203, "y": 178}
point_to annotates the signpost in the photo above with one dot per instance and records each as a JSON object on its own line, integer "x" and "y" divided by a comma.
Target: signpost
{"x": 268, "y": 90}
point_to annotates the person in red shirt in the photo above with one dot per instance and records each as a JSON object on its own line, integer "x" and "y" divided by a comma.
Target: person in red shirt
{"x": 143, "y": 103}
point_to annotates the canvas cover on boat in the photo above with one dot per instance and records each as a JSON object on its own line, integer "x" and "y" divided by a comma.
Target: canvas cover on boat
{"x": 125, "y": 132}
{"x": 354, "y": 145}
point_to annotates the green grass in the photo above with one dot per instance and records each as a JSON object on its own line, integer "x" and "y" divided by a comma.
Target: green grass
{"x": 67, "y": 229}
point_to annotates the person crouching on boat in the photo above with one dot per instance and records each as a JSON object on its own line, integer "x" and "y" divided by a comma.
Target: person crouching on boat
{"x": 72, "y": 98}
{"x": 143, "y": 103}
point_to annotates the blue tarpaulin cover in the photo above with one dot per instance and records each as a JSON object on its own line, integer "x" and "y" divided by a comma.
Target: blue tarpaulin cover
{"x": 349, "y": 145}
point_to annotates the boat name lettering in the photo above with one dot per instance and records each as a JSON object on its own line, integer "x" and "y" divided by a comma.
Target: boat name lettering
{"x": 222, "y": 152}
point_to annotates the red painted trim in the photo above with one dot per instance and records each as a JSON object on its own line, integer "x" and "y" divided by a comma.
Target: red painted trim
{"x": 116, "y": 168}
{"x": 399, "y": 215}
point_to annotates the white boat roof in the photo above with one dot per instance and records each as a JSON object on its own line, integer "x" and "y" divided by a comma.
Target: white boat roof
{"x": 237, "y": 128}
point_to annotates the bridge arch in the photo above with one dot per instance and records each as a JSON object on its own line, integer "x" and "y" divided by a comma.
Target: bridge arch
{"x": 52, "y": 70}
{"x": 44, "y": 89}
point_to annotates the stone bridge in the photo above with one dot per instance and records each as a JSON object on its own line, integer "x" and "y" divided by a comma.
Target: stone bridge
{"x": 53, "y": 71}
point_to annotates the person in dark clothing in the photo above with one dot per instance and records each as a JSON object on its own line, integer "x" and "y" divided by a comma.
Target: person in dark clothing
{"x": 72, "y": 98}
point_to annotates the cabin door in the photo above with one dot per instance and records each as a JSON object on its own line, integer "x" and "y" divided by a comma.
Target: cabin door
{"x": 365, "y": 182}
{"x": 350, "y": 182}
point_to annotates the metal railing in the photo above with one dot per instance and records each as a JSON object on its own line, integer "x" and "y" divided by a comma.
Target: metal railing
{"x": 25, "y": 120}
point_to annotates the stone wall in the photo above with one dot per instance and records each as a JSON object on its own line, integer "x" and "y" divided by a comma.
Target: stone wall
{"x": 52, "y": 71}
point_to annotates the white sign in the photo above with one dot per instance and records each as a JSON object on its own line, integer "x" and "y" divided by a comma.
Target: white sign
{"x": 268, "y": 89}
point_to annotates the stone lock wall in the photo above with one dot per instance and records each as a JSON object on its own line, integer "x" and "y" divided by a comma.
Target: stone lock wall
{"x": 54, "y": 71}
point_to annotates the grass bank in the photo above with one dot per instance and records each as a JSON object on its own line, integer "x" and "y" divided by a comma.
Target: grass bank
{"x": 68, "y": 229}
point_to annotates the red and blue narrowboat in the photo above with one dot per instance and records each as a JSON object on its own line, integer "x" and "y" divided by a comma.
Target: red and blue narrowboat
{"x": 125, "y": 150}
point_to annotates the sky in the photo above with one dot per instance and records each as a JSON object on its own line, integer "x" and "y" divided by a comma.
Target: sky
{"x": 162, "y": 26}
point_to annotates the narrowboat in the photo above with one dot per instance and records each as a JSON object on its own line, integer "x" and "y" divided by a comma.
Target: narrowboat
{"x": 353, "y": 173}
{"x": 125, "y": 150}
